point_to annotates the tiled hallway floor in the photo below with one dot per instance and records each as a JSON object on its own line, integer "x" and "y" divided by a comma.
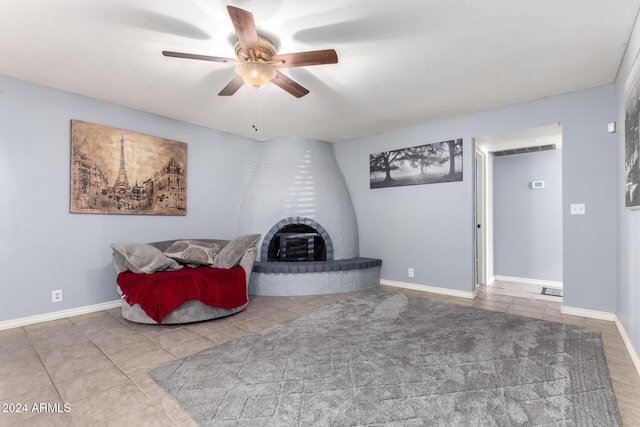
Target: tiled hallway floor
{"x": 97, "y": 362}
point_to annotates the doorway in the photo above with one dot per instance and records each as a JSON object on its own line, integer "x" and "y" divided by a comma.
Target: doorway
{"x": 518, "y": 211}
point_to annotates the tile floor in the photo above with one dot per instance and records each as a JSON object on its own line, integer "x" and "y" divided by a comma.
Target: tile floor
{"x": 97, "y": 363}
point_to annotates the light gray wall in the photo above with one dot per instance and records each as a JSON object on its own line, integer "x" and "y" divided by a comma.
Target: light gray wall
{"x": 425, "y": 227}
{"x": 628, "y": 220}
{"x": 430, "y": 227}
{"x": 43, "y": 246}
{"x": 528, "y": 222}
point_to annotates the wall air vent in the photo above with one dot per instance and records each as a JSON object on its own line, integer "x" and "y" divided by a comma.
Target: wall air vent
{"x": 524, "y": 150}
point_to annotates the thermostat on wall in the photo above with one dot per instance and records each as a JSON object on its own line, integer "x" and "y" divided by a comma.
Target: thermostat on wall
{"x": 536, "y": 185}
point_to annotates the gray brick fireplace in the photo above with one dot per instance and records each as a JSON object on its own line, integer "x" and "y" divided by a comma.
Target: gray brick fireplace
{"x": 298, "y": 200}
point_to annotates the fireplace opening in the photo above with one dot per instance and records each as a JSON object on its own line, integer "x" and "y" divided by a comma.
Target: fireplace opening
{"x": 297, "y": 242}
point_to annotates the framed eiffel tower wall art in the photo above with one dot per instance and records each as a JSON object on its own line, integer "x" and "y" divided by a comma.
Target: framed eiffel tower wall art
{"x": 115, "y": 171}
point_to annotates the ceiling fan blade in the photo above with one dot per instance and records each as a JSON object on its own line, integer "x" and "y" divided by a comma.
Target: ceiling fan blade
{"x": 199, "y": 57}
{"x": 232, "y": 87}
{"x": 303, "y": 59}
{"x": 289, "y": 85}
{"x": 246, "y": 31}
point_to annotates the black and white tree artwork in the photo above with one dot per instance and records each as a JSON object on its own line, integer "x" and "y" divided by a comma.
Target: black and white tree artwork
{"x": 632, "y": 137}
{"x": 423, "y": 164}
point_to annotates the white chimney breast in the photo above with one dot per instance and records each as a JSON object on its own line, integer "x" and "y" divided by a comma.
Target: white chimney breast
{"x": 298, "y": 177}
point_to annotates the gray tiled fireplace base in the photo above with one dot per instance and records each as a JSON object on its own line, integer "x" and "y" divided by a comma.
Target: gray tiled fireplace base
{"x": 338, "y": 276}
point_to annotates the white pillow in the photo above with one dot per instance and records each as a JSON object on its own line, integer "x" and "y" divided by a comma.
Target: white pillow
{"x": 141, "y": 258}
{"x": 230, "y": 255}
{"x": 193, "y": 251}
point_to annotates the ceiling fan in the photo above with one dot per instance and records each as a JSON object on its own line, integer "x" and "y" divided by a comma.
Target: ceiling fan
{"x": 257, "y": 60}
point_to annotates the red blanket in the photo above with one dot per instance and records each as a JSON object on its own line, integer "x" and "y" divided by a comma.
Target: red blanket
{"x": 161, "y": 292}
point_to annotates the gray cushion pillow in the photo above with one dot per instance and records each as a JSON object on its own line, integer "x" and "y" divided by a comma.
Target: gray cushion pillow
{"x": 193, "y": 251}
{"x": 141, "y": 258}
{"x": 230, "y": 255}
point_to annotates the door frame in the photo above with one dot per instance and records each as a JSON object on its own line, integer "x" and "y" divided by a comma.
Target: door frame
{"x": 480, "y": 217}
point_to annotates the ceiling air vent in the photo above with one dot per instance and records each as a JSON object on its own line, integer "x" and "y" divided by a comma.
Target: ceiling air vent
{"x": 524, "y": 150}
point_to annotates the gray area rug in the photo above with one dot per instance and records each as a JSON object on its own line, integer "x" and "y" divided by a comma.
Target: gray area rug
{"x": 382, "y": 358}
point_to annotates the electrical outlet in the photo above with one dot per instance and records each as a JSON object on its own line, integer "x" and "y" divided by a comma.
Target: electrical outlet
{"x": 411, "y": 272}
{"x": 577, "y": 209}
{"x": 56, "y": 296}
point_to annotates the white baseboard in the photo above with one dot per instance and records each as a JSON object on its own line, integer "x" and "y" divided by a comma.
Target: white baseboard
{"x": 39, "y": 318}
{"x": 627, "y": 342}
{"x": 426, "y": 288}
{"x": 585, "y": 312}
{"x": 525, "y": 281}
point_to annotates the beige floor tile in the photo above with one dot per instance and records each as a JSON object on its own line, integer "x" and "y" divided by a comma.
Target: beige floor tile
{"x": 242, "y": 317}
{"x": 623, "y": 374}
{"x": 226, "y": 334}
{"x": 146, "y": 361}
{"x": 262, "y": 309}
{"x": 555, "y": 305}
{"x": 80, "y": 387}
{"x": 123, "y": 353}
{"x": 47, "y": 394}
{"x": 187, "y": 348}
{"x": 172, "y": 410}
{"x": 50, "y": 325}
{"x": 78, "y": 366}
{"x": 564, "y": 318}
{"x": 601, "y": 325}
{"x": 25, "y": 382}
{"x": 300, "y": 309}
{"x": 14, "y": 343}
{"x": 48, "y": 419}
{"x": 491, "y": 305}
{"x": 530, "y": 308}
{"x": 628, "y": 393}
{"x": 461, "y": 301}
{"x": 436, "y": 297}
{"x": 145, "y": 415}
{"x": 19, "y": 366}
{"x": 501, "y": 298}
{"x": 173, "y": 337}
{"x": 257, "y": 324}
{"x": 62, "y": 337}
{"x": 148, "y": 386}
{"x": 533, "y": 314}
{"x": 151, "y": 331}
{"x": 106, "y": 404}
{"x": 105, "y": 339}
{"x": 618, "y": 357}
{"x": 55, "y": 332}
{"x": 12, "y": 335}
{"x": 97, "y": 317}
{"x": 56, "y": 355}
{"x": 207, "y": 327}
{"x": 17, "y": 350}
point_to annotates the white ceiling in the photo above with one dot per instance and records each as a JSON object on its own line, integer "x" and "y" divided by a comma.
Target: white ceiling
{"x": 401, "y": 62}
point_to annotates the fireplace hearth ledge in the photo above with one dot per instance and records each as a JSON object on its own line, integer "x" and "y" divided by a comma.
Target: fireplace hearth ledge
{"x": 315, "y": 266}
{"x": 314, "y": 277}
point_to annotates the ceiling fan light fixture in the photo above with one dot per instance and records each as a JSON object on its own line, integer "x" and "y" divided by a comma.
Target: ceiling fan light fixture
{"x": 255, "y": 73}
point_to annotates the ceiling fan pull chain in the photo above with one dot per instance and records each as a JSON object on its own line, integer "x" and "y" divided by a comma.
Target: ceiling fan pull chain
{"x": 255, "y": 111}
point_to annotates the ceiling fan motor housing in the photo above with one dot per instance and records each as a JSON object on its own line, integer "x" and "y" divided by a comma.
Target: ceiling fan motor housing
{"x": 267, "y": 50}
